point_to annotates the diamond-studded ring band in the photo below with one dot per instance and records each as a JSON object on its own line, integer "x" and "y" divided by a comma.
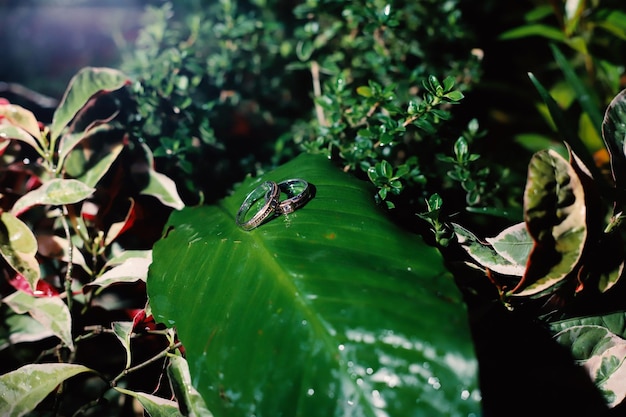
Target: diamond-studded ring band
{"x": 270, "y": 192}
{"x": 298, "y": 192}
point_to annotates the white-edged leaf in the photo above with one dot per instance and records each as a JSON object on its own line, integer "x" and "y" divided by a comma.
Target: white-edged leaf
{"x": 21, "y": 118}
{"x": 164, "y": 189}
{"x": 53, "y": 246}
{"x": 159, "y": 185}
{"x": 132, "y": 270}
{"x": 21, "y": 328}
{"x": 51, "y": 312}
{"x": 129, "y": 254}
{"x": 513, "y": 243}
{"x": 23, "y": 389}
{"x": 155, "y": 406}
{"x": 484, "y": 254}
{"x": 603, "y": 354}
{"x": 14, "y": 132}
{"x": 95, "y": 173}
{"x": 55, "y": 192}
{"x": 123, "y": 330}
{"x": 189, "y": 399}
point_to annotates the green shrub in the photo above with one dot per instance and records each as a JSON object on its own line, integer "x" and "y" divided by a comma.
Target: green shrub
{"x": 231, "y": 88}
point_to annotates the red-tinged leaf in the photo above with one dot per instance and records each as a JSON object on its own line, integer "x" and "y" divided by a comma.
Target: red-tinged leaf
{"x": 84, "y": 85}
{"x": 17, "y": 133}
{"x": 141, "y": 320}
{"x": 555, "y": 213}
{"x": 614, "y": 135}
{"x": 43, "y": 288}
{"x": 70, "y": 141}
{"x": 118, "y": 228}
{"x": 18, "y": 247}
{"x": 22, "y": 118}
{"x": 56, "y": 247}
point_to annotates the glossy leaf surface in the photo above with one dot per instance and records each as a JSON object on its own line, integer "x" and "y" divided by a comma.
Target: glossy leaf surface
{"x": 556, "y": 216}
{"x": 599, "y": 344}
{"x": 485, "y": 254}
{"x": 329, "y": 311}
{"x": 188, "y": 398}
{"x": 155, "y": 406}
{"x": 23, "y": 389}
{"x": 614, "y": 134}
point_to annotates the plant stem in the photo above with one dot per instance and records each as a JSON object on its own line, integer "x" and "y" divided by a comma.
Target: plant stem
{"x": 153, "y": 359}
{"x": 70, "y": 258}
{"x": 317, "y": 92}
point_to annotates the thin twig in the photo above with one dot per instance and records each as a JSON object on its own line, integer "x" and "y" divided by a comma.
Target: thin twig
{"x": 317, "y": 92}
{"x": 146, "y": 363}
{"x": 70, "y": 258}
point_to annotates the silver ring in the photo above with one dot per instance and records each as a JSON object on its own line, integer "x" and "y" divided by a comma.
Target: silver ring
{"x": 298, "y": 192}
{"x": 268, "y": 190}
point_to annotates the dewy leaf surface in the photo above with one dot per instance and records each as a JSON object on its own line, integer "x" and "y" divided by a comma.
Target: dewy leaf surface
{"x": 27, "y": 386}
{"x": 329, "y": 311}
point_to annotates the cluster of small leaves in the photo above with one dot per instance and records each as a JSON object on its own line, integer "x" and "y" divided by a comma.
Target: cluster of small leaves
{"x": 73, "y": 196}
{"x": 209, "y": 97}
{"x": 443, "y": 232}
{"x": 367, "y": 65}
{"x": 474, "y": 180}
{"x": 379, "y": 110}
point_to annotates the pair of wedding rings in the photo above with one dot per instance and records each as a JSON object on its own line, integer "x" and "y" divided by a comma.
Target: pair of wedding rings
{"x": 253, "y": 212}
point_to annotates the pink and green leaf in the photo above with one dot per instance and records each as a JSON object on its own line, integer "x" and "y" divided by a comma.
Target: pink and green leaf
{"x": 18, "y": 247}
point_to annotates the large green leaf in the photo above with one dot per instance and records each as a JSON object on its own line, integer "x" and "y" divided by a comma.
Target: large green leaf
{"x": 329, "y": 311}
